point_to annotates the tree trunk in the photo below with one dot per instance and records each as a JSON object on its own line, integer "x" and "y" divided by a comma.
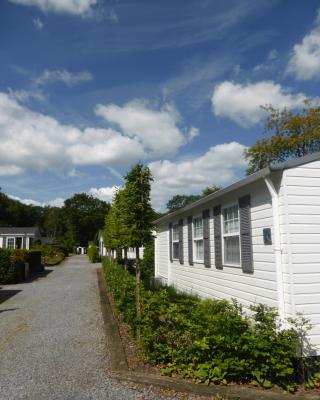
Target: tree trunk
{"x": 138, "y": 295}
{"x": 125, "y": 259}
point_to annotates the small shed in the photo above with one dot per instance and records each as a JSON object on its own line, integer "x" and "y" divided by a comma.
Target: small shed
{"x": 18, "y": 238}
{"x": 257, "y": 241}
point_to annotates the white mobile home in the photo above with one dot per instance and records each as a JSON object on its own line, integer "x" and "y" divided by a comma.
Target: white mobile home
{"x": 257, "y": 241}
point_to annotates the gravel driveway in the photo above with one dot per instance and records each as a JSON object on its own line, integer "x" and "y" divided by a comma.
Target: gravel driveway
{"x": 52, "y": 343}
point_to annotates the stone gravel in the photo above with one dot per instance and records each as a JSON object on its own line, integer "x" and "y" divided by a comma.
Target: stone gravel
{"x": 52, "y": 343}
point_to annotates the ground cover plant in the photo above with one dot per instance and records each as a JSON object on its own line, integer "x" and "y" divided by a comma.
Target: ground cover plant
{"x": 211, "y": 341}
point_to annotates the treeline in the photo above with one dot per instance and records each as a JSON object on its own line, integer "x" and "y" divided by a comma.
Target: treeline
{"x": 74, "y": 224}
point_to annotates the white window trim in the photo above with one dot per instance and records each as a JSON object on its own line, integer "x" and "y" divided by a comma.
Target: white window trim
{"x": 175, "y": 224}
{"x": 14, "y": 242}
{"x": 196, "y": 260}
{"x": 223, "y": 235}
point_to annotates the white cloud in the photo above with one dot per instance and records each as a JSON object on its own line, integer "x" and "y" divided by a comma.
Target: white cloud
{"x": 304, "y": 62}
{"x": 31, "y": 140}
{"x": 10, "y": 170}
{"x": 157, "y": 129}
{"x": 58, "y": 202}
{"x": 74, "y": 7}
{"x": 38, "y": 24}
{"x": 104, "y": 193}
{"x": 26, "y": 95}
{"x": 273, "y": 54}
{"x": 242, "y": 102}
{"x": 220, "y": 165}
{"x": 63, "y": 75}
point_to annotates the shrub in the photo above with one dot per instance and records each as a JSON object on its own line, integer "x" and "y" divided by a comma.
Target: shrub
{"x": 208, "y": 340}
{"x": 12, "y": 268}
{"x": 93, "y": 254}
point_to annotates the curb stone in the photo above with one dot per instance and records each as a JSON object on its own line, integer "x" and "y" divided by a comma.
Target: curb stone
{"x": 120, "y": 371}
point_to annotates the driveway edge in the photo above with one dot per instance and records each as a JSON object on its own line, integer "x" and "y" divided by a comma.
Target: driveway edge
{"x": 120, "y": 370}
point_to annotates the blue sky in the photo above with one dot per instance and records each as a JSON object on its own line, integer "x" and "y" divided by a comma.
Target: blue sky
{"x": 88, "y": 87}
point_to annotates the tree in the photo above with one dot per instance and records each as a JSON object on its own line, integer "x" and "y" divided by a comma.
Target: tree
{"x": 180, "y": 201}
{"x": 137, "y": 218}
{"x": 292, "y": 135}
{"x": 83, "y": 216}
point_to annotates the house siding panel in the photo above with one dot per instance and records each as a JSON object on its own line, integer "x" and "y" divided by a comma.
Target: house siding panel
{"x": 232, "y": 282}
{"x": 303, "y": 199}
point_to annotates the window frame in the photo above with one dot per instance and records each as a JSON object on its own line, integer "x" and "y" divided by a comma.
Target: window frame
{"x": 226, "y": 235}
{"x": 197, "y": 239}
{"x": 175, "y": 240}
{"x": 14, "y": 242}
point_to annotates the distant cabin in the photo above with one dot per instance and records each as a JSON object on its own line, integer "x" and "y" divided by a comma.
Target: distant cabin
{"x": 18, "y": 238}
{"x": 257, "y": 241}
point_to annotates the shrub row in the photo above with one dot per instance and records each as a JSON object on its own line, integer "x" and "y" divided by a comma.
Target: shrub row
{"x": 12, "y": 264}
{"x": 208, "y": 340}
{"x": 53, "y": 254}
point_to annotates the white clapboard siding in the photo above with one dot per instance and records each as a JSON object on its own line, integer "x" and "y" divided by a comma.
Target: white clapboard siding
{"x": 230, "y": 282}
{"x": 303, "y": 199}
{"x": 162, "y": 253}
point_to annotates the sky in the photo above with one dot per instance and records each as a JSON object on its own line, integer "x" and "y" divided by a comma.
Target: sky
{"x": 90, "y": 87}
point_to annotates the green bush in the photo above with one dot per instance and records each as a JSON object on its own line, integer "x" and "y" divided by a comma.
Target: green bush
{"x": 12, "y": 265}
{"x": 208, "y": 340}
{"x": 93, "y": 254}
{"x": 53, "y": 254}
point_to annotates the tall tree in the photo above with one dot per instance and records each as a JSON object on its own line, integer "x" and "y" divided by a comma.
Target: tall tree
{"x": 292, "y": 135}
{"x": 137, "y": 218}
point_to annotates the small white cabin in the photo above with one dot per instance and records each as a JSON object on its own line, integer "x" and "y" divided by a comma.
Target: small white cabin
{"x": 257, "y": 241}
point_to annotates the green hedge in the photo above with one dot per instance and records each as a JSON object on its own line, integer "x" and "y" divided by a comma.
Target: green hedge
{"x": 93, "y": 254}
{"x": 12, "y": 268}
{"x": 208, "y": 340}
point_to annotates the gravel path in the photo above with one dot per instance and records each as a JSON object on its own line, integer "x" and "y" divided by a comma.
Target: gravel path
{"x": 52, "y": 343}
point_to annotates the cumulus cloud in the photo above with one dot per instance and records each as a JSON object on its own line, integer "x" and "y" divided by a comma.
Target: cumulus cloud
{"x": 58, "y": 202}
{"x": 304, "y": 62}
{"x": 157, "y": 129}
{"x": 63, "y": 75}
{"x": 31, "y": 140}
{"x": 38, "y": 24}
{"x": 82, "y": 8}
{"x": 242, "y": 102}
{"x": 104, "y": 193}
{"x": 220, "y": 165}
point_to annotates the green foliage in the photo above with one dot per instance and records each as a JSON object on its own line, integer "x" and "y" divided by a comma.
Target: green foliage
{"x": 179, "y": 201}
{"x": 147, "y": 263}
{"x": 12, "y": 265}
{"x": 93, "y": 254}
{"x": 292, "y": 135}
{"x": 53, "y": 254}
{"x": 208, "y": 340}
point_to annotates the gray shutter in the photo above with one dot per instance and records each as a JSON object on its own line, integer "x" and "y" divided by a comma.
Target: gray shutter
{"x": 206, "y": 238}
{"x": 181, "y": 241}
{"x": 4, "y": 242}
{"x": 24, "y": 242}
{"x": 170, "y": 242}
{"x": 245, "y": 234}
{"x": 190, "y": 242}
{"x": 217, "y": 237}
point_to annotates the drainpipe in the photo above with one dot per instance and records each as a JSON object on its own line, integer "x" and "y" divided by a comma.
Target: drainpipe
{"x": 277, "y": 246}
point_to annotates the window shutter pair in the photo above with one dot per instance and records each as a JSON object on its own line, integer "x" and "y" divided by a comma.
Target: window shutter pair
{"x": 245, "y": 235}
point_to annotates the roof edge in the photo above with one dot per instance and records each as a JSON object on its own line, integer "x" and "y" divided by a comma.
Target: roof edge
{"x": 243, "y": 182}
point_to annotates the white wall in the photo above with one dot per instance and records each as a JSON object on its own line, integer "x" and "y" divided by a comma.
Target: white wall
{"x": 302, "y": 189}
{"x": 1, "y": 242}
{"x": 230, "y": 282}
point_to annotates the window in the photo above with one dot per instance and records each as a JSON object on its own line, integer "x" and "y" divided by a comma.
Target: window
{"x": 10, "y": 243}
{"x": 231, "y": 235}
{"x": 198, "y": 238}
{"x": 175, "y": 241}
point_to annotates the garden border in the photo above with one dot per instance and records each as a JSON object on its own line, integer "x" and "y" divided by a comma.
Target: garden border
{"x": 119, "y": 367}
